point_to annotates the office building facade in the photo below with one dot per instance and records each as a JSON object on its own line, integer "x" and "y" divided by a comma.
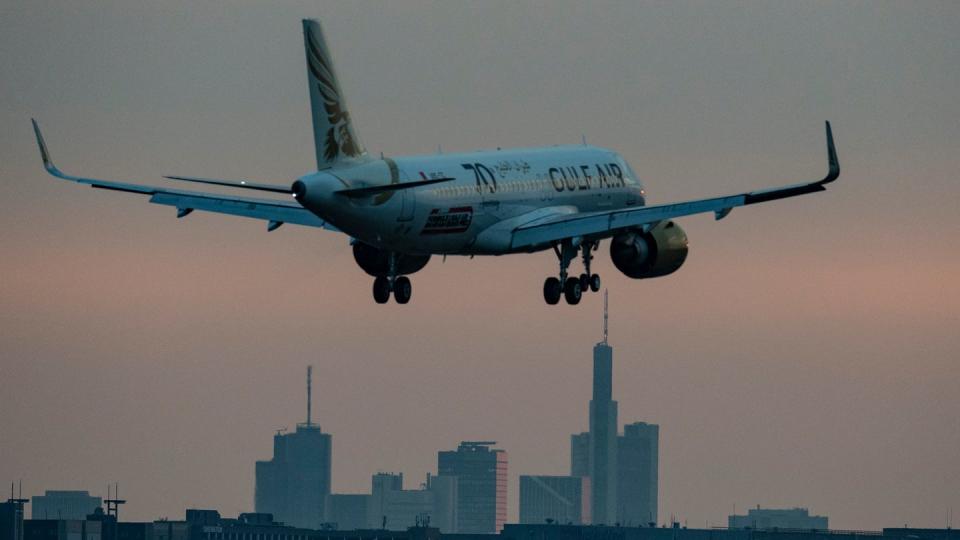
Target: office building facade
{"x": 580, "y": 454}
{"x": 563, "y": 500}
{"x": 638, "y": 458}
{"x": 63, "y": 505}
{"x": 481, "y": 473}
{"x": 392, "y": 507}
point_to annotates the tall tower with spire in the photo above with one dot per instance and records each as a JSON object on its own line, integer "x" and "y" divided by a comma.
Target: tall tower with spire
{"x": 603, "y": 432}
{"x": 294, "y": 484}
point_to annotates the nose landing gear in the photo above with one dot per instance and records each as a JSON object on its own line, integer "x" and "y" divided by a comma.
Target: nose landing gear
{"x": 400, "y": 286}
{"x": 571, "y": 288}
{"x": 587, "y": 279}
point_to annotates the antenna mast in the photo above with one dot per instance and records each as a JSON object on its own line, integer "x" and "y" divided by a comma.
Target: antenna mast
{"x": 309, "y": 392}
{"x": 605, "y": 316}
{"x": 113, "y": 503}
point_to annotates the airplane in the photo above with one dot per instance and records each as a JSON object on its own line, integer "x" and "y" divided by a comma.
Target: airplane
{"x": 400, "y": 211}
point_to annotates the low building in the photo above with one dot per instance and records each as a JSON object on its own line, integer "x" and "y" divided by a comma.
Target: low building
{"x": 347, "y": 511}
{"x": 921, "y": 534}
{"x": 676, "y": 532}
{"x": 61, "y": 529}
{"x": 777, "y": 518}
{"x": 64, "y": 505}
{"x": 391, "y": 506}
{"x": 554, "y": 499}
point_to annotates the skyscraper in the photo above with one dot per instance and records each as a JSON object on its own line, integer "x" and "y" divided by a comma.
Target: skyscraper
{"x": 603, "y": 433}
{"x": 481, "y": 485}
{"x": 293, "y": 486}
{"x": 637, "y": 473}
{"x": 624, "y": 470}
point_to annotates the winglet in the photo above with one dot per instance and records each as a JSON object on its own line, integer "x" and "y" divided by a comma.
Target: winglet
{"x": 834, "y": 164}
{"x": 44, "y": 153}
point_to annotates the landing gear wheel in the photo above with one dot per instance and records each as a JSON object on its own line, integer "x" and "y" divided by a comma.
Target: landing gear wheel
{"x": 552, "y": 290}
{"x": 584, "y": 282}
{"x": 402, "y": 289}
{"x": 572, "y": 291}
{"x": 595, "y": 282}
{"x": 381, "y": 290}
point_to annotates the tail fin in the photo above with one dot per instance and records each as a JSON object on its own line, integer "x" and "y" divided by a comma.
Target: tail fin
{"x": 333, "y": 133}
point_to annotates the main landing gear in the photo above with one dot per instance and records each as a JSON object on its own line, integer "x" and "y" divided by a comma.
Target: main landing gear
{"x": 571, "y": 288}
{"x": 398, "y": 285}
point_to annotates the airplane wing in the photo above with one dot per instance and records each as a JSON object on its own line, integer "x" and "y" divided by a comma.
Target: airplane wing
{"x": 606, "y": 223}
{"x": 274, "y": 212}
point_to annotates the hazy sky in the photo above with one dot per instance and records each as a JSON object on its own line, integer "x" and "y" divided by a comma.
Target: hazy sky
{"x": 806, "y": 354}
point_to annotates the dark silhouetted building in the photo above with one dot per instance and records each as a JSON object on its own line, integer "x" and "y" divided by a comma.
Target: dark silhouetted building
{"x": 603, "y": 438}
{"x": 63, "y": 505}
{"x": 347, "y": 511}
{"x": 580, "y": 454}
{"x": 208, "y": 525}
{"x": 638, "y": 457}
{"x": 560, "y": 499}
{"x": 623, "y": 470}
{"x": 11, "y": 520}
{"x": 777, "y": 518}
{"x": 111, "y": 529}
{"x": 293, "y": 486}
{"x": 61, "y": 529}
{"x": 676, "y": 532}
{"x": 481, "y": 485}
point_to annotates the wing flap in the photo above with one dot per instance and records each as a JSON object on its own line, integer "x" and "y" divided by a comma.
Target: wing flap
{"x": 603, "y": 223}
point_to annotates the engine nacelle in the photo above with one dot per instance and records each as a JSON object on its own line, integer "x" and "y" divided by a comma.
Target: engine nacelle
{"x": 656, "y": 253}
{"x": 376, "y": 261}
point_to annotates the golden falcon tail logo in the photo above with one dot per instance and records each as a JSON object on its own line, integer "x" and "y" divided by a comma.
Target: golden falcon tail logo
{"x": 339, "y": 139}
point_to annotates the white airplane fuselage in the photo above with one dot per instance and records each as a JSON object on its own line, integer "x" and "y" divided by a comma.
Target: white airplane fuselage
{"x": 475, "y": 213}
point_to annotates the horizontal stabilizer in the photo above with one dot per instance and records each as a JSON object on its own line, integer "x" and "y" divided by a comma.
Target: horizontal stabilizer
{"x": 374, "y": 190}
{"x": 242, "y": 184}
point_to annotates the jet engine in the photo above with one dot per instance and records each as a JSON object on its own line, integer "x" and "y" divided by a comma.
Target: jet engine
{"x": 376, "y": 262}
{"x": 656, "y": 253}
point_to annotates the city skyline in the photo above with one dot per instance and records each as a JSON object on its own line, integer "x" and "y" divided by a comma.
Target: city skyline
{"x": 805, "y": 354}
